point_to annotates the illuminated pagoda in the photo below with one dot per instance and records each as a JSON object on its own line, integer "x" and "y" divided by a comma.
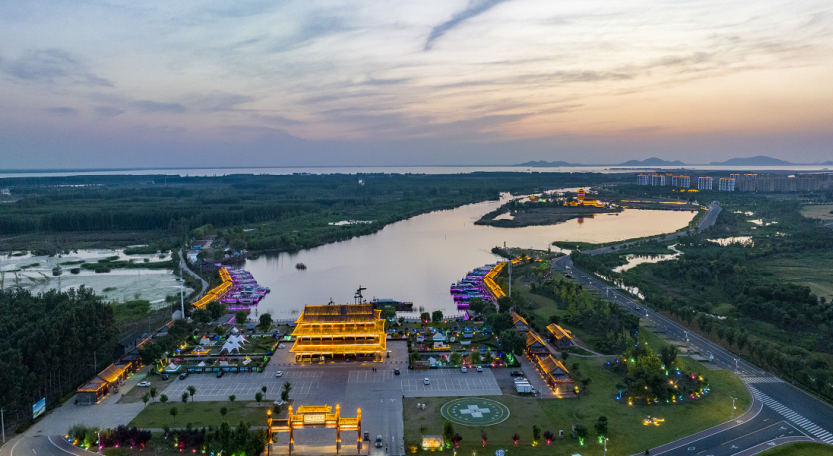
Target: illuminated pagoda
{"x": 582, "y": 200}
{"x": 342, "y": 330}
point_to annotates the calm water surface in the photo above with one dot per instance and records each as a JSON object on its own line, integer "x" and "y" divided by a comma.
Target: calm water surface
{"x": 417, "y": 259}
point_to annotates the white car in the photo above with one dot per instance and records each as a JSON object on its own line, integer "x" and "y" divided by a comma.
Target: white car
{"x": 463, "y": 369}
{"x": 278, "y": 373}
{"x": 145, "y": 383}
{"x": 479, "y": 369}
{"x": 426, "y": 381}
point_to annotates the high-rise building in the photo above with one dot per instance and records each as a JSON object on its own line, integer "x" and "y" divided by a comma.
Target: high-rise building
{"x": 704, "y": 183}
{"x": 726, "y": 184}
{"x": 643, "y": 179}
{"x": 657, "y": 179}
{"x": 681, "y": 181}
{"x": 735, "y": 176}
{"x": 750, "y": 176}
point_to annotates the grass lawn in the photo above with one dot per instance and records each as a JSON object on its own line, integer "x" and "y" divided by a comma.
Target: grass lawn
{"x": 136, "y": 393}
{"x": 818, "y": 211}
{"x": 801, "y": 449}
{"x": 627, "y": 434}
{"x": 199, "y": 414}
{"x": 808, "y": 269}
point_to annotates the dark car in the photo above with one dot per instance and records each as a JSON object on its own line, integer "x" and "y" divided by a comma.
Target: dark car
{"x": 164, "y": 376}
{"x": 568, "y": 276}
{"x": 516, "y": 374}
{"x": 220, "y": 374}
{"x": 183, "y": 375}
{"x": 396, "y": 372}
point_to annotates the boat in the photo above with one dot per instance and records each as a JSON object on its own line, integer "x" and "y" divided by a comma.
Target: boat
{"x": 301, "y": 266}
{"x": 399, "y": 306}
{"x": 56, "y": 271}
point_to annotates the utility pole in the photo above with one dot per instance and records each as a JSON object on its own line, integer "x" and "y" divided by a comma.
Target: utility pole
{"x": 733, "y": 406}
{"x": 95, "y": 362}
{"x": 3, "y": 424}
{"x": 510, "y": 276}
{"x": 181, "y": 295}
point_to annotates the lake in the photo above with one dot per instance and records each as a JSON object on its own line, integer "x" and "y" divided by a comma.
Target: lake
{"x": 418, "y": 259}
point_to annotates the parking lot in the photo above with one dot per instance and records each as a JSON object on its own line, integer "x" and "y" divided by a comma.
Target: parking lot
{"x": 451, "y": 384}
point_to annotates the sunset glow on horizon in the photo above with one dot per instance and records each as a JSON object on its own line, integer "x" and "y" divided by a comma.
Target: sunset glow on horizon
{"x": 107, "y": 84}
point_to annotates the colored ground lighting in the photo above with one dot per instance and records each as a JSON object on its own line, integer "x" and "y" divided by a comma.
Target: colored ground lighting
{"x": 474, "y": 411}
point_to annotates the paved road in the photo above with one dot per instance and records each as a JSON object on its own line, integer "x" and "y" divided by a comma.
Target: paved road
{"x": 779, "y": 410}
{"x": 185, "y": 268}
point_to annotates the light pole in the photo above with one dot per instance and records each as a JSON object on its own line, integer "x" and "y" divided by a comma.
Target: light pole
{"x": 686, "y": 337}
{"x": 736, "y": 366}
{"x": 605, "y": 442}
{"x": 98, "y": 450}
{"x": 733, "y": 406}
{"x": 3, "y": 425}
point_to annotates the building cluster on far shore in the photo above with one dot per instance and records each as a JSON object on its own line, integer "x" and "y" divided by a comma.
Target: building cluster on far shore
{"x": 742, "y": 182}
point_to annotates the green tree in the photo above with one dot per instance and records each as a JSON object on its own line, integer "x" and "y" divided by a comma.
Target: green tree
{"x": 437, "y": 316}
{"x": 265, "y": 321}
{"x": 581, "y": 433}
{"x": 276, "y": 410}
{"x": 146, "y": 398}
{"x": 455, "y": 359}
{"x": 173, "y": 413}
{"x": 216, "y": 309}
{"x": 448, "y": 432}
{"x": 258, "y": 397}
{"x": 499, "y": 322}
{"x": 475, "y": 358}
{"x": 601, "y": 426}
{"x": 153, "y": 392}
{"x": 388, "y": 312}
{"x": 185, "y": 398}
{"x": 536, "y": 434}
{"x": 232, "y": 398}
{"x": 668, "y": 354}
{"x": 218, "y": 255}
{"x": 223, "y": 412}
{"x": 163, "y": 398}
{"x": 425, "y": 317}
{"x": 476, "y": 305}
{"x": 192, "y": 390}
{"x": 512, "y": 341}
{"x": 487, "y": 358}
{"x": 240, "y": 316}
{"x": 201, "y": 316}
{"x": 237, "y": 244}
{"x": 263, "y": 389}
{"x": 285, "y": 390}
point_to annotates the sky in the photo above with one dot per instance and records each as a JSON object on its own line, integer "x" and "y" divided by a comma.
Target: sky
{"x": 97, "y": 84}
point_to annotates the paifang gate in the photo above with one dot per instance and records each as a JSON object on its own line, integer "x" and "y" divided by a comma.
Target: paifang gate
{"x": 309, "y": 416}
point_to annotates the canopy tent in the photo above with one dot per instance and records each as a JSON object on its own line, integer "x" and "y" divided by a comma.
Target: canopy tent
{"x": 233, "y": 345}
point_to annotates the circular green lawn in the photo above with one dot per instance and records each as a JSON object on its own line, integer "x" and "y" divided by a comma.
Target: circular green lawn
{"x": 474, "y": 411}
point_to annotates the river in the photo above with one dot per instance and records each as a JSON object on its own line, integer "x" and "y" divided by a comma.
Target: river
{"x": 418, "y": 259}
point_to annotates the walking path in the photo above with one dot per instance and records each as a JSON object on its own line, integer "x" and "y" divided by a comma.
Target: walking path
{"x": 184, "y": 267}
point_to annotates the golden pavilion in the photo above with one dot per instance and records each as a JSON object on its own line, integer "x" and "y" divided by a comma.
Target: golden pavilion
{"x": 339, "y": 330}
{"x": 581, "y": 200}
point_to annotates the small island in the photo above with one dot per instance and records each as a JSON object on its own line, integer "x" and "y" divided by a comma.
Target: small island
{"x": 547, "y": 211}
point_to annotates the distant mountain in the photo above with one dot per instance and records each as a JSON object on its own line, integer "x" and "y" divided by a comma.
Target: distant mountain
{"x": 759, "y": 160}
{"x": 544, "y": 164}
{"x": 653, "y": 161}
{"x": 828, "y": 162}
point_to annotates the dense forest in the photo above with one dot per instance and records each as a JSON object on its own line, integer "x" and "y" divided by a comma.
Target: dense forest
{"x": 730, "y": 293}
{"x": 279, "y": 212}
{"x": 49, "y": 344}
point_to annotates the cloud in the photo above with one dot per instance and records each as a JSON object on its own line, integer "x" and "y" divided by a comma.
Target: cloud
{"x": 62, "y": 111}
{"x": 149, "y": 106}
{"x": 51, "y": 66}
{"x": 220, "y": 101}
{"x": 108, "y": 111}
{"x": 474, "y": 8}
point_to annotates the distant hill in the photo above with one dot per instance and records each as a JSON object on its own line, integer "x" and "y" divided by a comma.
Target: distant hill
{"x": 759, "y": 160}
{"x": 653, "y": 161}
{"x": 544, "y": 164}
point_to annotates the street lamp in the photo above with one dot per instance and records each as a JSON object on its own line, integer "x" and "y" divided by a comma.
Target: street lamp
{"x": 733, "y": 406}
{"x": 605, "y": 442}
{"x": 736, "y": 366}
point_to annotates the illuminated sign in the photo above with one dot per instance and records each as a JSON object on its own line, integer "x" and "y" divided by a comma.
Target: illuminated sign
{"x": 39, "y": 408}
{"x": 314, "y": 418}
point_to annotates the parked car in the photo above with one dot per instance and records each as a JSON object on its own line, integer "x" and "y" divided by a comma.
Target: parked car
{"x": 463, "y": 369}
{"x": 183, "y": 375}
{"x": 396, "y": 372}
{"x": 145, "y": 383}
{"x": 426, "y": 381}
{"x": 479, "y": 369}
{"x": 516, "y": 374}
{"x": 379, "y": 442}
{"x": 220, "y": 374}
{"x": 164, "y": 376}
{"x": 278, "y": 373}
{"x": 568, "y": 276}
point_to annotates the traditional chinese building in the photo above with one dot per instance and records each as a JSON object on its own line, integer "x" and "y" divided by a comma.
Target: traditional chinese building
{"x": 340, "y": 330}
{"x": 519, "y": 322}
{"x": 582, "y": 200}
{"x": 535, "y": 345}
{"x": 556, "y": 375}
{"x": 560, "y": 336}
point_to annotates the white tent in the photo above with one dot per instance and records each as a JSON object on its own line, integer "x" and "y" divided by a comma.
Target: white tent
{"x": 201, "y": 364}
{"x": 233, "y": 345}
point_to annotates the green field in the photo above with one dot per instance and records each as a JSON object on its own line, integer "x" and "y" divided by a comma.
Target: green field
{"x": 627, "y": 432}
{"x": 818, "y": 211}
{"x": 809, "y": 269}
{"x": 800, "y": 449}
{"x": 199, "y": 414}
